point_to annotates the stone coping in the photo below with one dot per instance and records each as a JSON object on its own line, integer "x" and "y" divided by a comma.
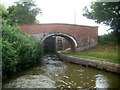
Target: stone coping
{"x": 92, "y": 63}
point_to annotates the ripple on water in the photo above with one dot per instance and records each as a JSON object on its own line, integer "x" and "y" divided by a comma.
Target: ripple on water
{"x": 31, "y": 81}
{"x": 54, "y": 73}
{"x": 101, "y": 81}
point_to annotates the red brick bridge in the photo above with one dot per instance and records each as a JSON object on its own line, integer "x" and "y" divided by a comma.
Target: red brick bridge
{"x": 78, "y": 37}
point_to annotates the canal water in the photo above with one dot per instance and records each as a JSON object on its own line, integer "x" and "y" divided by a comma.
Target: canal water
{"x": 54, "y": 73}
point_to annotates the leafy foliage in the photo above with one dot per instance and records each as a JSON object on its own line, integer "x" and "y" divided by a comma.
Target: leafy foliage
{"x": 108, "y": 39}
{"x": 19, "y": 51}
{"x": 22, "y": 13}
{"x": 107, "y": 13}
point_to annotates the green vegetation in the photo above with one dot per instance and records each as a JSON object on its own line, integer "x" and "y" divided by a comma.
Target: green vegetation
{"x": 99, "y": 52}
{"x": 106, "y": 13}
{"x": 106, "y": 50}
{"x": 108, "y": 39}
{"x": 22, "y": 13}
{"x": 19, "y": 50}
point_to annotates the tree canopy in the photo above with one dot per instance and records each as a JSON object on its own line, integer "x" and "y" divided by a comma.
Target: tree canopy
{"x": 106, "y": 13}
{"x": 22, "y": 13}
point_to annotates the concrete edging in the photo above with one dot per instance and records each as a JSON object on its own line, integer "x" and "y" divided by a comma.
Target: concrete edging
{"x": 92, "y": 63}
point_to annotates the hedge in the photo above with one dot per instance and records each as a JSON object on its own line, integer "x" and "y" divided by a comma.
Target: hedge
{"x": 19, "y": 50}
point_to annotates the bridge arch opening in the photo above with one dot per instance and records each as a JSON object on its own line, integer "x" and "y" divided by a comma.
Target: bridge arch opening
{"x": 50, "y": 40}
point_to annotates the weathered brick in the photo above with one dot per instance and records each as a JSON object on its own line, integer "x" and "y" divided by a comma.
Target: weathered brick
{"x": 86, "y": 36}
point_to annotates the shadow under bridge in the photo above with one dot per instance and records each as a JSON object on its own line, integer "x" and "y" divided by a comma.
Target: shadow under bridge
{"x": 50, "y": 40}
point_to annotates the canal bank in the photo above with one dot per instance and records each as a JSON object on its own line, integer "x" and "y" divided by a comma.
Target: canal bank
{"x": 91, "y": 63}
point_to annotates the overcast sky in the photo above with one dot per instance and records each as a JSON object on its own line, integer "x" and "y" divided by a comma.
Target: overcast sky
{"x": 63, "y": 11}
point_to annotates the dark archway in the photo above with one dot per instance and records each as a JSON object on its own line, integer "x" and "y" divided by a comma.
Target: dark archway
{"x": 69, "y": 38}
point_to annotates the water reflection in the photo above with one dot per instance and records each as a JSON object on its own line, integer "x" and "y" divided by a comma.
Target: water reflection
{"x": 101, "y": 81}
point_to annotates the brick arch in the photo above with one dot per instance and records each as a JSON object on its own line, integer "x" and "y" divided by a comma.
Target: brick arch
{"x": 73, "y": 42}
{"x": 86, "y": 36}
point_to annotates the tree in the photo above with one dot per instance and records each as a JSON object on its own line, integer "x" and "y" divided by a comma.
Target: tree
{"x": 23, "y": 12}
{"x": 106, "y": 13}
{"x": 3, "y": 11}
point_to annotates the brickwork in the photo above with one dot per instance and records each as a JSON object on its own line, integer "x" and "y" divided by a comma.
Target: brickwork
{"x": 86, "y": 36}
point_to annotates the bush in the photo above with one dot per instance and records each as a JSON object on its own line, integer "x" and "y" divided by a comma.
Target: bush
{"x": 9, "y": 58}
{"x": 19, "y": 51}
{"x": 108, "y": 39}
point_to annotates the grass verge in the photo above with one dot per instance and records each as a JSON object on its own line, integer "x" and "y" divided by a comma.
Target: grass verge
{"x": 99, "y": 52}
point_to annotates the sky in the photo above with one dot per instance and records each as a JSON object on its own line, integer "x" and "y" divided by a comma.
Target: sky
{"x": 63, "y": 11}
